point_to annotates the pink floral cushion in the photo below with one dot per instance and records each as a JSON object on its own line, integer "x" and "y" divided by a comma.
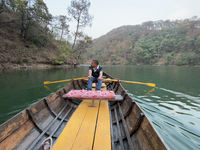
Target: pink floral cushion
{"x": 90, "y": 94}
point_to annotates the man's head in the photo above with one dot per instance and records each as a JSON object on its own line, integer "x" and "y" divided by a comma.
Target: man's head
{"x": 94, "y": 63}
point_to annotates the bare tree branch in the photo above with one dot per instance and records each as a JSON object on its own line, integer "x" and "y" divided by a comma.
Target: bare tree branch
{"x": 79, "y": 11}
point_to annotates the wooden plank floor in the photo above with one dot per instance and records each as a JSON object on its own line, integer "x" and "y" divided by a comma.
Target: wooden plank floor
{"x": 103, "y": 137}
{"x": 88, "y": 128}
{"x": 84, "y": 139}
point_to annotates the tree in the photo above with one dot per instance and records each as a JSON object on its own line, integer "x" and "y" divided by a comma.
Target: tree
{"x": 2, "y": 6}
{"x": 183, "y": 59}
{"x": 79, "y": 11}
{"x": 137, "y": 51}
{"x": 33, "y": 20}
{"x": 22, "y": 12}
{"x": 197, "y": 45}
{"x": 167, "y": 45}
{"x": 64, "y": 27}
{"x": 168, "y": 58}
{"x": 81, "y": 46}
{"x": 64, "y": 50}
{"x": 113, "y": 57}
{"x": 40, "y": 12}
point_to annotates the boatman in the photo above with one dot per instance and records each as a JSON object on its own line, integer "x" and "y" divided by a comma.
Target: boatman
{"x": 95, "y": 75}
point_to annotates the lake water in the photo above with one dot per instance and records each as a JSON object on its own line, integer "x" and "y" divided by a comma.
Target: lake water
{"x": 173, "y": 107}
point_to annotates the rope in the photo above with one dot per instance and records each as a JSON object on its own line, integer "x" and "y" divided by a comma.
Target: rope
{"x": 49, "y": 138}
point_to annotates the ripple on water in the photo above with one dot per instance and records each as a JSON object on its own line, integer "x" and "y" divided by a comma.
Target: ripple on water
{"x": 170, "y": 119}
{"x": 169, "y": 123}
{"x": 14, "y": 112}
{"x": 179, "y": 141}
{"x": 192, "y": 123}
{"x": 148, "y": 113}
{"x": 141, "y": 96}
{"x": 179, "y": 104}
{"x": 197, "y": 109}
{"x": 182, "y": 113}
{"x": 185, "y": 135}
{"x": 175, "y": 117}
{"x": 194, "y": 104}
{"x": 157, "y": 125}
{"x": 151, "y": 108}
{"x": 190, "y": 132}
{"x": 179, "y": 94}
{"x": 138, "y": 100}
{"x": 193, "y": 135}
{"x": 147, "y": 99}
{"x": 148, "y": 109}
{"x": 164, "y": 105}
{"x": 156, "y": 97}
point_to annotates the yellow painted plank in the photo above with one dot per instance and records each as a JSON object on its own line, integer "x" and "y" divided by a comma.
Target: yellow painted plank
{"x": 95, "y": 84}
{"x": 85, "y": 137}
{"x": 102, "y": 139}
{"x": 103, "y": 87}
{"x": 69, "y": 133}
{"x": 79, "y": 133}
{"x": 102, "y": 136}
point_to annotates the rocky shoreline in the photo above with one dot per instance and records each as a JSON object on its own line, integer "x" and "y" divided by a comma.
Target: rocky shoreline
{"x": 49, "y": 66}
{"x": 34, "y": 66}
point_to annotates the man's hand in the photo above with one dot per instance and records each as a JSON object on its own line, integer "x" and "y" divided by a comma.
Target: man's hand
{"x": 90, "y": 74}
{"x": 99, "y": 78}
{"x": 90, "y": 77}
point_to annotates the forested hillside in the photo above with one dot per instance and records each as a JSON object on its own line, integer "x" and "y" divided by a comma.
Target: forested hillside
{"x": 29, "y": 34}
{"x": 151, "y": 43}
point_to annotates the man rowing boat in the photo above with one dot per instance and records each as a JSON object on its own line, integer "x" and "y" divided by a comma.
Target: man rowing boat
{"x": 95, "y": 75}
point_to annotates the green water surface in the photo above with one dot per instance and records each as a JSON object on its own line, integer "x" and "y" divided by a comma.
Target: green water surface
{"x": 173, "y": 107}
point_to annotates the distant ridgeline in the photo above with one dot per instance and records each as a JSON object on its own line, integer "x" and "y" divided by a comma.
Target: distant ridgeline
{"x": 152, "y": 43}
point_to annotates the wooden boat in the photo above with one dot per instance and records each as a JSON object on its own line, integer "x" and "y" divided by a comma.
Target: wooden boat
{"x": 129, "y": 127}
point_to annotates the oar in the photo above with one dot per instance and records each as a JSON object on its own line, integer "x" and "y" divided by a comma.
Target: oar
{"x": 153, "y": 89}
{"x": 117, "y": 80}
{"x": 48, "y": 88}
{"x": 49, "y": 82}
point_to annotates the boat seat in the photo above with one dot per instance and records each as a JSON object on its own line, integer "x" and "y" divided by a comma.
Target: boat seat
{"x": 92, "y": 95}
{"x": 95, "y": 84}
{"x": 117, "y": 98}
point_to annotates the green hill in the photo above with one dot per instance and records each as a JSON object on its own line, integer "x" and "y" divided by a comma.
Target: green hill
{"x": 151, "y": 43}
{"x": 30, "y": 36}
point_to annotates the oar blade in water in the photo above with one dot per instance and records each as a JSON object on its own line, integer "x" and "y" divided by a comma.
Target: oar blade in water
{"x": 151, "y": 84}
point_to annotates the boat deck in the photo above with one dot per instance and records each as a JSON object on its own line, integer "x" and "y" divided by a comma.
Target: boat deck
{"x": 88, "y": 128}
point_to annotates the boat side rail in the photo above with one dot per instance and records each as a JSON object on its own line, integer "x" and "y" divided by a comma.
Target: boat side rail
{"x": 44, "y": 131}
{"x": 122, "y": 127}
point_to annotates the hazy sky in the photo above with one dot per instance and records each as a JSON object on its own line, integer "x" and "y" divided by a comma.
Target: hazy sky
{"x": 110, "y": 14}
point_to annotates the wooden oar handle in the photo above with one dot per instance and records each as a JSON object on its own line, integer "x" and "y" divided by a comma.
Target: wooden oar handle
{"x": 49, "y": 82}
{"x": 117, "y": 80}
